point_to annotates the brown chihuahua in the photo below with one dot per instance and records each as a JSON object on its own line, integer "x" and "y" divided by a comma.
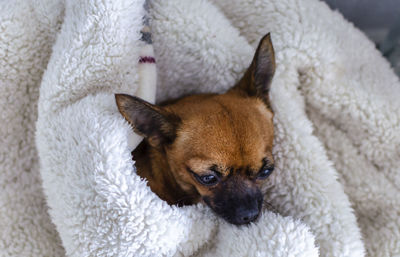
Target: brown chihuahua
{"x": 213, "y": 148}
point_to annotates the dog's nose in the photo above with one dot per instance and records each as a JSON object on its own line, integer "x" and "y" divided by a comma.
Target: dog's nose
{"x": 245, "y": 216}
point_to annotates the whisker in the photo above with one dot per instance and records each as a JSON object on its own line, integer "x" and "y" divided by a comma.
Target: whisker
{"x": 269, "y": 206}
{"x": 179, "y": 202}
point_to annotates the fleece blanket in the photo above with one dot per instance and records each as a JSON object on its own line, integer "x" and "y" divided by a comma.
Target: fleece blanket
{"x": 68, "y": 183}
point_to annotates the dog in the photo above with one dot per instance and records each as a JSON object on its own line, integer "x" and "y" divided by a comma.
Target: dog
{"x": 210, "y": 148}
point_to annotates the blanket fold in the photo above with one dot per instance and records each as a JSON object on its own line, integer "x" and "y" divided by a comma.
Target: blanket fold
{"x": 336, "y": 122}
{"x": 26, "y": 37}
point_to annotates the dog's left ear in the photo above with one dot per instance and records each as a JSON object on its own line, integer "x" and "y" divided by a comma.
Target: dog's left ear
{"x": 257, "y": 79}
{"x": 148, "y": 120}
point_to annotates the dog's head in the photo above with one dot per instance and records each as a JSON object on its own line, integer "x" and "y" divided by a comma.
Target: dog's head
{"x": 219, "y": 146}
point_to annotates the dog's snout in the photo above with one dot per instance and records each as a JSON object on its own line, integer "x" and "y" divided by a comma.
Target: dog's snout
{"x": 245, "y": 216}
{"x": 248, "y": 209}
{"x": 241, "y": 206}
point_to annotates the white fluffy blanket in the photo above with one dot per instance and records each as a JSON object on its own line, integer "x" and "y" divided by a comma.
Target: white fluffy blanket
{"x": 336, "y": 101}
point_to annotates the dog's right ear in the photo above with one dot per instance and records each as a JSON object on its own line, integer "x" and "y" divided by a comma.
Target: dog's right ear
{"x": 257, "y": 79}
{"x": 148, "y": 120}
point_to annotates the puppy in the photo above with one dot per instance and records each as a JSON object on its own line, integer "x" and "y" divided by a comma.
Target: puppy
{"x": 210, "y": 148}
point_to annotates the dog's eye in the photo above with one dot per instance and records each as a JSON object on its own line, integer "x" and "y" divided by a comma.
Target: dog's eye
{"x": 208, "y": 180}
{"x": 265, "y": 173}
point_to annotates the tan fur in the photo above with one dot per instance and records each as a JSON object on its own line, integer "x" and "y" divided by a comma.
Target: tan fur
{"x": 226, "y": 130}
{"x": 230, "y": 134}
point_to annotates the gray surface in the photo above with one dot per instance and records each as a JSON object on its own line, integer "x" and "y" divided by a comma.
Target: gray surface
{"x": 379, "y": 19}
{"x": 368, "y": 14}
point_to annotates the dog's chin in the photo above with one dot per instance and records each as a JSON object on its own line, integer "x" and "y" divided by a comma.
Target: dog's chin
{"x": 234, "y": 221}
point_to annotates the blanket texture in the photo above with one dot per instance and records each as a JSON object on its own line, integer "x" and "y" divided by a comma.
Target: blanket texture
{"x": 337, "y": 120}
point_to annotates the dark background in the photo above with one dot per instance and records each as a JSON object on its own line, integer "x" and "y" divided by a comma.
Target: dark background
{"x": 379, "y": 19}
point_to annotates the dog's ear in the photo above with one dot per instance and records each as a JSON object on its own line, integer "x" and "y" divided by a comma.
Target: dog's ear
{"x": 257, "y": 79}
{"x": 148, "y": 120}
